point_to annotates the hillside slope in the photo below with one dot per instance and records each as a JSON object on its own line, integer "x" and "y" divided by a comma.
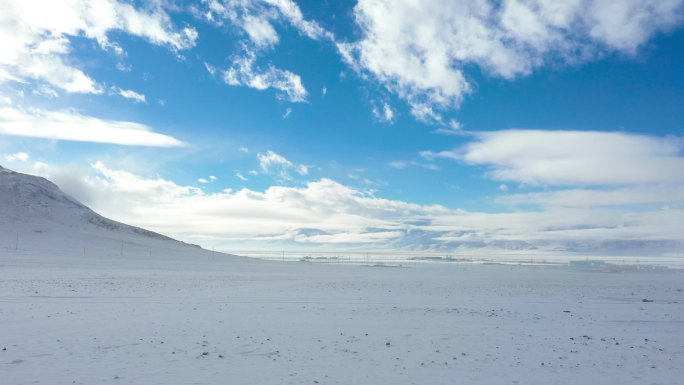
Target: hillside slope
{"x": 36, "y": 216}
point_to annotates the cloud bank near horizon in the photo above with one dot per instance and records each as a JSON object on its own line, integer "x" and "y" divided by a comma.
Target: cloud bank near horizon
{"x": 325, "y": 213}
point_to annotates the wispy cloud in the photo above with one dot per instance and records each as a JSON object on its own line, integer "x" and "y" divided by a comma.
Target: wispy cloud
{"x": 401, "y": 165}
{"x": 453, "y": 128}
{"x": 210, "y": 179}
{"x": 273, "y": 163}
{"x": 71, "y": 125}
{"x": 131, "y": 95}
{"x": 256, "y": 19}
{"x": 210, "y": 68}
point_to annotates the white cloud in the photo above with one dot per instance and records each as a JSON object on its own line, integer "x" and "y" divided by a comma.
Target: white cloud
{"x": 70, "y": 125}
{"x": 590, "y": 171}
{"x": 401, "y": 165}
{"x": 256, "y": 18}
{"x": 35, "y": 36}
{"x": 46, "y": 91}
{"x": 210, "y": 68}
{"x": 18, "y": 157}
{"x": 131, "y": 95}
{"x": 581, "y": 197}
{"x": 327, "y": 212}
{"x": 123, "y": 67}
{"x": 574, "y": 157}
{"x": 503, "y": 188}
{"x": 425, "y": 113}
{"x": 274, "y": 163}
{"x": 240, "y": 176}
{"x": 210, "y": 179}
{"x": 260, "y": 31}
{"x": 287, "y": 113}
{"x": 291, "y": 12}
{"x": 384, "y": 114}
{"x": 419, "y": 49}
{"x": 454, "y": 128}
{"x": 433, "y": 155}
{"x": 243, "y": 72}
{"x": 243, "y": 150}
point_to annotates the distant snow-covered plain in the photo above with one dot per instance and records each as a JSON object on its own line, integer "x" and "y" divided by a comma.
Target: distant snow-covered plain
{"x": 216, "y": 319}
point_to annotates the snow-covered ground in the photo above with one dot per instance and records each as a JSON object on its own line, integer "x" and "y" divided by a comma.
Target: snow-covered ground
{"x": 86, "y": 300}
{"x": 237, "y": 321}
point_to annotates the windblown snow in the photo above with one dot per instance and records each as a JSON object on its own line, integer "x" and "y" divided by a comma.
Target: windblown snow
{"x": 86, "y": 300}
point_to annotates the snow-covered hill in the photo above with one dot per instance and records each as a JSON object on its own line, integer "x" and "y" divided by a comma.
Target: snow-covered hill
{"x": 36, "y": 216}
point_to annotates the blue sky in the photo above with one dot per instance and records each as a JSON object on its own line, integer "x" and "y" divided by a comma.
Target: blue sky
{"x": 369, "y": 124}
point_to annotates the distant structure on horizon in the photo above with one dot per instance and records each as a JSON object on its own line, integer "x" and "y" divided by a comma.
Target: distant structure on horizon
{"x": 605, "y": 267}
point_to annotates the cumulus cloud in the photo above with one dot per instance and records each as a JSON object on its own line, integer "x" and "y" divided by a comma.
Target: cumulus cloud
{"x": 17, "y": 157}
{"x": 35, "y": 36}
{"x": 419, "y": 49}
{"x": 245, "y": 72}
{"x": 276, "y": 164}
{"x": 70, "y": 125}
{"x": 327, "y": 212}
